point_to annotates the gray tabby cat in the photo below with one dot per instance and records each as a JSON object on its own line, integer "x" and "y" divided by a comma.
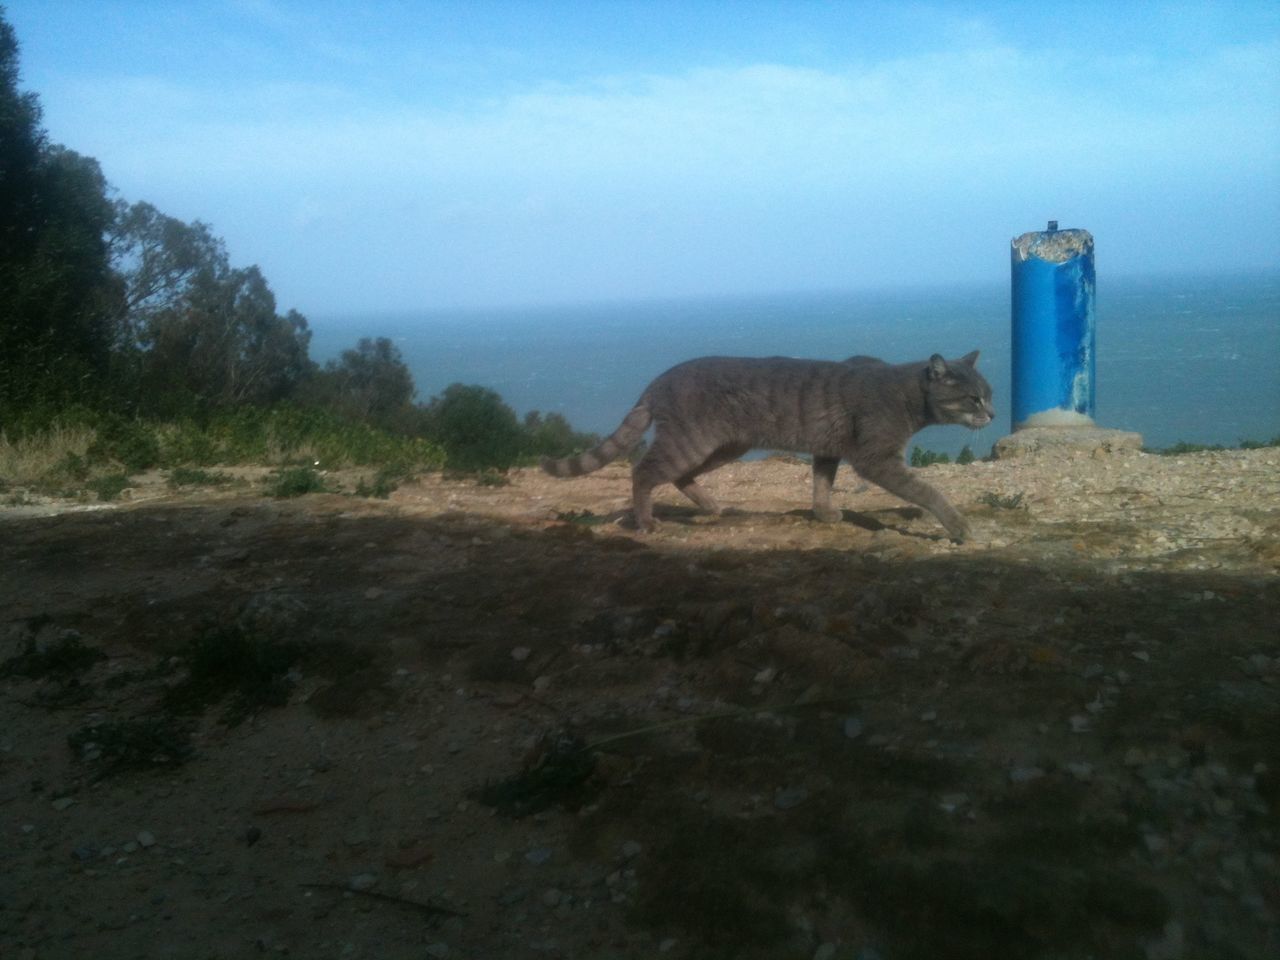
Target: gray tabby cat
{"x": 710, "y": 411}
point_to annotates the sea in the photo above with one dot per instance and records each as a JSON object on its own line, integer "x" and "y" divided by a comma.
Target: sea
{"x": 1183, "y": 358}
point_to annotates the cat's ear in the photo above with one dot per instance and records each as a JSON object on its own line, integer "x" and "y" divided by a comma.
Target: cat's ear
{"x": 937, "y": 367}
{"x": 970, "y": 359}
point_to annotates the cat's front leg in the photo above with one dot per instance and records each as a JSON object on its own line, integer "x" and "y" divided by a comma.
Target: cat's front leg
{"x": 894, "y": 476}
{"x": 824, "y": 477}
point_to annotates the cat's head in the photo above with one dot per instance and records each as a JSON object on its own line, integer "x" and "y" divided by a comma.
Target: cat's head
{"x": 957, "y": 392}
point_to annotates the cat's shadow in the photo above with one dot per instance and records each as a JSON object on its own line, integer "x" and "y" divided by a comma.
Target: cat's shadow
{"x": 690, "y": 516}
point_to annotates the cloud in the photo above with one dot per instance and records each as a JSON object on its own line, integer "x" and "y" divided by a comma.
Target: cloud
{"x": 767, "y": 173}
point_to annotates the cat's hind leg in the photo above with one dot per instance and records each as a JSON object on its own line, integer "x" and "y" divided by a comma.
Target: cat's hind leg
{"x": 687, "y": 482}
{"x": 824, "y": 477}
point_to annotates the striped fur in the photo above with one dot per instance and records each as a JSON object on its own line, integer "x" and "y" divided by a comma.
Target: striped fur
{"x": 623, "y": 440}
{"x": 712, "y": 410}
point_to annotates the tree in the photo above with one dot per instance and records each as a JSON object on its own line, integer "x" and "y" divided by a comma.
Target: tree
{"x": 552, "y": 436}
{"x": 477, "y": 430}
{"x": 59, "y": 299}
{"x": 222, "y": 343}
{"x": 370, "y": 382}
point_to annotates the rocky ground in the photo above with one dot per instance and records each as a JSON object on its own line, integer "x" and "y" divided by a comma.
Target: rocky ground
{"x": 479, "y": 721}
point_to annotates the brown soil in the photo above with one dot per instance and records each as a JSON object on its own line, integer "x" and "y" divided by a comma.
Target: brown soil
{"x": 305, "y": 730}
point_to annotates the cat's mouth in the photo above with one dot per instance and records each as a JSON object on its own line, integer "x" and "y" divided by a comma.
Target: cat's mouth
{"x": 978, "y": 420}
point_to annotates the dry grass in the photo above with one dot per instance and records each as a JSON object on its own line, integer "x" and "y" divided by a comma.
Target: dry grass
{"x": 34, "y": 459}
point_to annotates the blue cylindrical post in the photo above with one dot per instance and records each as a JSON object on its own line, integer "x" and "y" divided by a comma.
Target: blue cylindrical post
{"x": 1053, "y": 361}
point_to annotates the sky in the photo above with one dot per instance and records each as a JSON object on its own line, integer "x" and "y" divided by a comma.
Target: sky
{"x": 407, "y": 156}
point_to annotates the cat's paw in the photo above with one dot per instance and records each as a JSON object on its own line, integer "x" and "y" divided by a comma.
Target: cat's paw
{"x": 828, "y": 514}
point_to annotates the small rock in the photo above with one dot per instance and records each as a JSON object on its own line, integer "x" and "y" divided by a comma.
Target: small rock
{"x": 1141, "y": 655}
{"x": 146, "y": 839}
{"x": 520, "y": 654}
{"x": 667, "y": 945}
{"x": 766, "y": 675}
{"x": 1079, "y": 723}
{"x": 552, "y": 897}
{"x": 1025, "y": 774}
{"x": 63, "y": 802}
{"x": 788, "y": 798}
{"x": 437, "y": 950}
{"x": 852, "y": 727}
{"x": 363, "y": 881}
{"x": 84, "y": 853}
{"x": 631, "y": 850}
{"x": 373, "y": 593}
{"x": 538, "y": 855}
{"x": 1082, "y": 771}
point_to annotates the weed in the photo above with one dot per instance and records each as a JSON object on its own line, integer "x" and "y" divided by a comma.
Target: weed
{"x": 108, "y": 486}
{"x": 492, "y": 478}
{"x": 996, "y": 501}
{"x": 295, "y": 482}
{"x": 384, "y": 482}
{"x": 557, "y": 775}
{"x": 966, "y": 456}
{"x": 231, "y": 664}
{"x": 65, "y": 655}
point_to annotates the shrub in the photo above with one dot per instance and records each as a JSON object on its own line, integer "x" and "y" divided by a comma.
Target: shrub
{"x": 476, "y": 429}
{"x": 926, "y": 458}
{"x": 295, "y": 482}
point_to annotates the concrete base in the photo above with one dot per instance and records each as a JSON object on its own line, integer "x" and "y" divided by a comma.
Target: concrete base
{"x": 1094, "y": 441}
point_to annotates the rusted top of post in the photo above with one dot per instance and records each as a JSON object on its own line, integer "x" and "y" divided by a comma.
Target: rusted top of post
{"x": 1055, "y": 246}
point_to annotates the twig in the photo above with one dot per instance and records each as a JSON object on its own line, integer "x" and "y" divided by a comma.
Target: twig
{"x": 428, "y": 908}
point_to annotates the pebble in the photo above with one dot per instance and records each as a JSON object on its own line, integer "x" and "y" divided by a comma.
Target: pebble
{"x": 146, "y": 838}
{"x": 520, "y": 654}
{"x": 363, "y": 881}
{"x": 1079, "y": 723}
{"x": 437, "y": 950}
{"x": 538, "y": 855}
{"x": 1025, "y": 774}
{"x": 1082, "y": 771}
{"x": 788, "y": 798}
{"x": 63, "y": 802}
{"x": 631, "y": 850}
{"x": 852, "y": 727}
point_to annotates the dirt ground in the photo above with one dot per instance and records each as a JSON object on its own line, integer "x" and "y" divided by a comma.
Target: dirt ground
{"x": 478, "y": 721}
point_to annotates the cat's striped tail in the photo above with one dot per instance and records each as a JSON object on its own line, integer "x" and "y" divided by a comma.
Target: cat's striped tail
{"x": 621, "y": 441}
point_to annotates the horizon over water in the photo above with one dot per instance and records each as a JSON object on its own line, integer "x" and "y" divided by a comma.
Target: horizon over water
{"x": 1194, "y": 358}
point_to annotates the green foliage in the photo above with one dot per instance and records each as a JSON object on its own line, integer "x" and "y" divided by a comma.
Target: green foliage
{"x": 477, "y": 430}
{"x": 195, "y": 477}
{"x": 58, "y": 296}
{"x": 966, "y": 456}
{"x": 1183, "y": 446}
{"x": 926, "y": 458}
{"x": 552, "y": 436}
{"x": 295, "y": 482}
{"x": 370, "y": 383}
{"x": 108, "y": 486}
{"x": 126, "y": 441}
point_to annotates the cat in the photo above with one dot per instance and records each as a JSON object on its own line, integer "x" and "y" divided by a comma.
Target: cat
{"x": 710, "y": 411}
